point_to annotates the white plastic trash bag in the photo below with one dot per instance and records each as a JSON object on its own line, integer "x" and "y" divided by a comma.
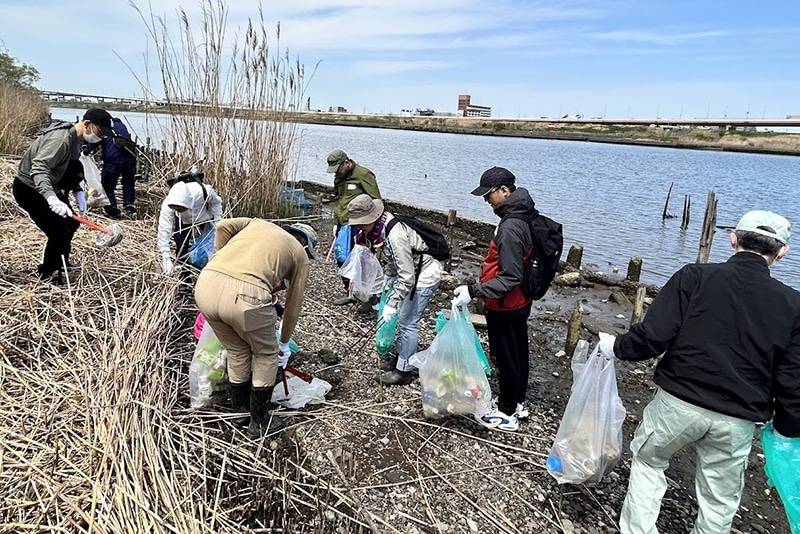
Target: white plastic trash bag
{"x": 588, "y": 443}
{"x": 365, "y": 273}
{"x": 95, "y": 195}
{"x": 208, "y": 372}
{"x": 300, "y": 392}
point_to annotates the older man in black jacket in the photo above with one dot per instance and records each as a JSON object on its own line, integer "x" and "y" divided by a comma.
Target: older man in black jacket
{"x": 730, "y": 335}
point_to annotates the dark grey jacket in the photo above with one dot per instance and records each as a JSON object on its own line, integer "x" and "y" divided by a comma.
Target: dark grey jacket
{"x": 45, "y": 161}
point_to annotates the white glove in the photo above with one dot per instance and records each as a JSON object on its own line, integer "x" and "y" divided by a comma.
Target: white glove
{"x": 285, "y": 352}
{"x": 606, "y": 345}
{"x": 462, "y": 297}
{"x": 58, "y": 207}
{"x": 388, "y": 281}
{"x": 166, "y": 264}
{"x": 80, "y": 198}
{"x": 388, "y": 313}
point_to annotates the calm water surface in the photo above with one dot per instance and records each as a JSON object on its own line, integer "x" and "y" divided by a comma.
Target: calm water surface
{"x": 608, "y": 197}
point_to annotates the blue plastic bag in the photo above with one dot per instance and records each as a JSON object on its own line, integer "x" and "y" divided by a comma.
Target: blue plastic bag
{"x": 385, "y": 336}
{"x": 441, "y": 320}
{"x": 782, "y": 467}
{"x": 203, "y": 247}
{"x": 341, "y": 247}
{"x": 452, "y": 376}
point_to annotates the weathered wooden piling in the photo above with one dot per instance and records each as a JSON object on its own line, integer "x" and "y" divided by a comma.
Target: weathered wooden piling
{"x": 709, "y": 227}
{"x": 573, "y": 329}
{"x": 634, "y": 269}
{"x": 451, "y": 224}
{"x": 638, "y": 305}
{"x": 575, "y": 256}
{"x": 687, "y": 208}
{"x": 665, "y": 214}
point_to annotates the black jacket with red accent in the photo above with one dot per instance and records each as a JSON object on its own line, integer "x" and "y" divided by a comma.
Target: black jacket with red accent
{"x": 504, "y": 266}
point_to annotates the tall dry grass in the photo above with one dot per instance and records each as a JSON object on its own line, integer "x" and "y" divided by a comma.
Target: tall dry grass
{"x": 229, "y": 104}
{"x": 96, "y": 435}
{"x": 22, "y": 111}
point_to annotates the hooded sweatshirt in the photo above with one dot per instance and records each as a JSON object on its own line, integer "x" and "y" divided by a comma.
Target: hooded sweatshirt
{"x": 44, "y": 163}
{"x": 199, "y": 210}
{"x": 504, "y": 266}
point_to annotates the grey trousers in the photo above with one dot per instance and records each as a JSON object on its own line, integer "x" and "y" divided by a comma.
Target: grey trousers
{"x": 722, "y": 444}
{"x": 243, "y": 317}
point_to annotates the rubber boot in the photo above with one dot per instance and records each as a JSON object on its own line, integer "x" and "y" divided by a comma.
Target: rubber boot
{"x": 261, "y": 422}
{"x": 240, "y": 400}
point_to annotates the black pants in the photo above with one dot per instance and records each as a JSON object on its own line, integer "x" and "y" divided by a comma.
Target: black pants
{"x": 111, "y": 174}
{"x": 59, "y": 230}
{"x": 508, "y": 346}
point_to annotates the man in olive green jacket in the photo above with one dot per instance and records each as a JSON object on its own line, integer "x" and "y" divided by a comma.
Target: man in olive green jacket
{"x": 350, "y": 180}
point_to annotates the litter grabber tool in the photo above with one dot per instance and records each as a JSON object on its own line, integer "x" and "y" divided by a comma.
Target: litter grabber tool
{"x": 299, "y": 374}
{"x": 285, "y": 385}
{"x": 107, "y": 237}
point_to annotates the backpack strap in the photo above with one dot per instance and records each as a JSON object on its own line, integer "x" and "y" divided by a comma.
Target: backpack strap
{"x": 418, "y": 270}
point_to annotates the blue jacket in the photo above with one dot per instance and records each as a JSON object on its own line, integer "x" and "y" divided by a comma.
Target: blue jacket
{"x": 118, "y": 149}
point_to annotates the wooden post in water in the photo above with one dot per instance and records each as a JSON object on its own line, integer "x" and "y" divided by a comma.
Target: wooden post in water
{"x": 665, "y": 214}
{"x": 573, "y": 329}
{"x": 451, "y": 223}
{"x": 638, "y": 305}
{"x": 709, "y": 227}
{"x": 687, "y": 208}
{"x": 575, "y": 255}
{"x": 634, "y": 269}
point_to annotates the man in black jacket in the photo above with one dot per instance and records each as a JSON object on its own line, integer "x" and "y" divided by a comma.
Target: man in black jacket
{"x": 730, "y": 335}
{"x": 507, "y": 307}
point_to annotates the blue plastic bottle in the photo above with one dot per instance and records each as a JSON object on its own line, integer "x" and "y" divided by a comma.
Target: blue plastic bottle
{"x": 554, "y": 463}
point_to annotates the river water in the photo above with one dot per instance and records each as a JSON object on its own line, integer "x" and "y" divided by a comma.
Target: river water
{"x": 608, "y": 197}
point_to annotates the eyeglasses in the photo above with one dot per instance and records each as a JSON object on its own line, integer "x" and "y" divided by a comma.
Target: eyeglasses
{"x": 489, "y": 192}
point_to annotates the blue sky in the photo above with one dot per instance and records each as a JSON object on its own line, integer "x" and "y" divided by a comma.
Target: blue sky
{"x": 611, "y": 58}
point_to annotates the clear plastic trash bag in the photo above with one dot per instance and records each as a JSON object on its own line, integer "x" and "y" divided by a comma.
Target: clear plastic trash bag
{"x": 588, "y": 443}
{"x": 365, "y": 273}
{"x": 95, "y": 194}
{"x": 208, "y": 372}
{"x": 451, "y": 374}
{"x": 300, "y": 392}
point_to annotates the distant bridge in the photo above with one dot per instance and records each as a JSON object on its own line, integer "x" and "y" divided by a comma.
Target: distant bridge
{"x": 792, "y": 121}
{"x": 61, "y": 96}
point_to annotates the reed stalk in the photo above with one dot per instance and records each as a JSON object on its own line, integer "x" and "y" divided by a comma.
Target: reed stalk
{"x": 229, "y": 105}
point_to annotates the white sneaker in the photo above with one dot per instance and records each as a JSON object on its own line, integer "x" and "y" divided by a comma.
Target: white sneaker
{"x": 499, "y": 420}
{"x": 523, "y": 410}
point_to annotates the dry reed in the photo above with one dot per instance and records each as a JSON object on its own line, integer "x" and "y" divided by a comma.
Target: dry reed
{"x": 229, "y": 105}
{"x": 21, "y": 111}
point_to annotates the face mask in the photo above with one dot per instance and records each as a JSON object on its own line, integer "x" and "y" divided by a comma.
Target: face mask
{"x": 90, "y": 137}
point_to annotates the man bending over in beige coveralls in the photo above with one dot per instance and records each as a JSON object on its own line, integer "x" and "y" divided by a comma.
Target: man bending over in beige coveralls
{"x": 236, "y": 293}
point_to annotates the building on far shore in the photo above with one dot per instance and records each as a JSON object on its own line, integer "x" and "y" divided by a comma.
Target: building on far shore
{"x": 467, "y": 109}
{"x": 337, "y": 109}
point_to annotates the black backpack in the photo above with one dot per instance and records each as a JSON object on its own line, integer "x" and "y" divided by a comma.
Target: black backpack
{"x": 548, "y": 243}
{"x": 437, "y": 244}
